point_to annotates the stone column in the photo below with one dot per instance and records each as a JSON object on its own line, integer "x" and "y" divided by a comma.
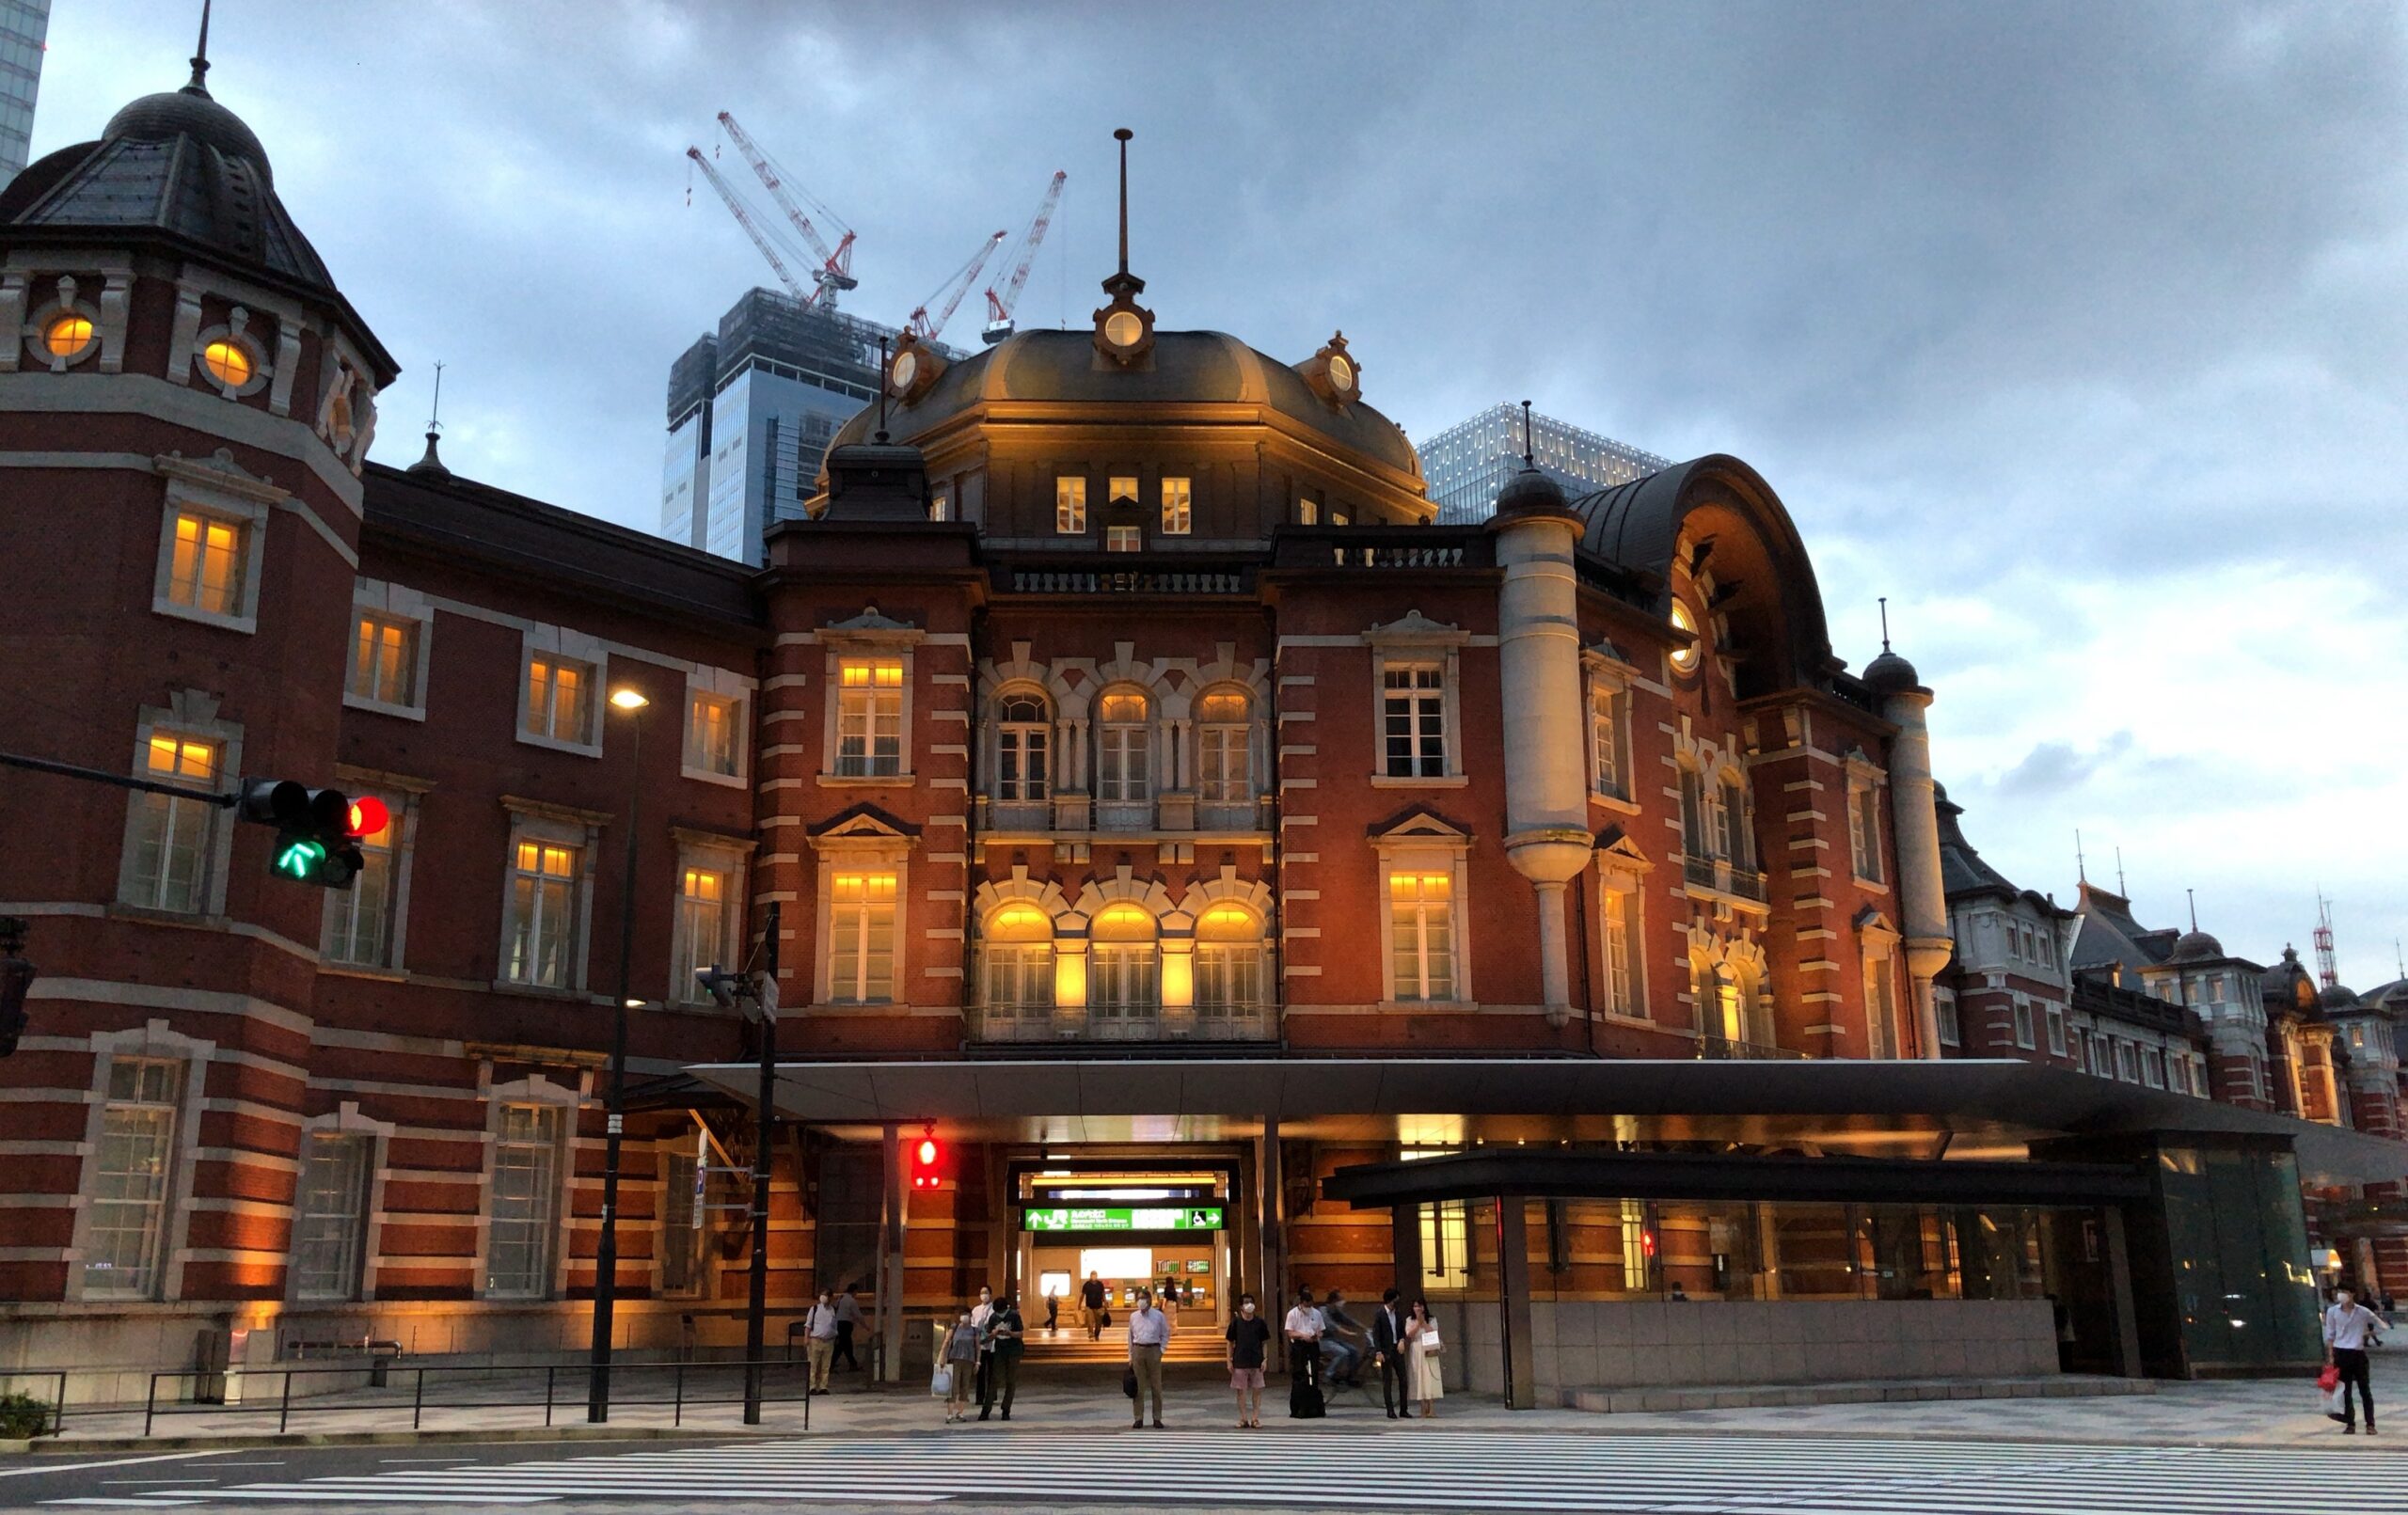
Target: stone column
{"x": 1515, "y": 1337}
{"x": 1914, "y": 822}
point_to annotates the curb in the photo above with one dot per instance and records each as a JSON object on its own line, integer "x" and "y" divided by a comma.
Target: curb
{"x": 81, "y": 1446}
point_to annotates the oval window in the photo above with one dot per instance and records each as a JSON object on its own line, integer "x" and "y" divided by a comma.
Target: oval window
{"x": 228, "y": 362}
{"x": 1684, "y": 659}
{"x": 1122, "y": 328}
{"x": 66, "y": 334}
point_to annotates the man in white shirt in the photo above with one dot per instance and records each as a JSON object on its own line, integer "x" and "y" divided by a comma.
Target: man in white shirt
{"x": 2350, "y": 1329}
{"x": 979, "y": 1315}
{"x": 1303, "y": 1329}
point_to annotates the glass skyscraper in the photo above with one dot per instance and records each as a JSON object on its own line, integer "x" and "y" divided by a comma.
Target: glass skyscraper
{"x": 752, "y": 407}
{"x": 24, "y": 23}
{"x": 1468, "y": 463}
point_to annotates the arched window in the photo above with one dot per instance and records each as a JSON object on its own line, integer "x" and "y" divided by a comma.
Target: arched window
{"x": 1017, "y": 978}
{"x": 1124, "y": 739}
{"x": 1023, "y": 738}
{"x": 1229, "y": 969}
{"x": 1223, "y": 747}
{"x": 1124, "y": 992}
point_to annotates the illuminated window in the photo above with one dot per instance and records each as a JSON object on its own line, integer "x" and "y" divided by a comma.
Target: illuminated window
{"x": 359, "y": 922}
{"x": 1123, "y": 539}
{"x": 1307, "y": 511}
{"x": 1622, "y": 983}
{"x": 861, "y": 938}
{"x": 701, "y": 934}
{"x": 1422, "y": 927}
{"x": 1121, "y": 489}
{"x": 1015, "y": 975}
{"x": 1445, "y": 1244}
{"x": 1124, "y": 740}
{"x": 869, "y": 717}
{"x": 129, "y": 1179}
{"x": 66, "y": 334}
{"x": 712, "y": 734}
{"x": 383, "y": 661}
{"x": 1605, "y": 738}
{"x": 1635, "y": 1250}
{"x": 1228, "y": 967}
{"x": 560, "y": 698}
{"x": 1124, "y": 992}
{"x": 173, "y": 833}
{"x": 1023, "y": 734}
{"x": 1684, "y": 658}
{"x": 1069, "y": 505}
{"x": 1414, "y": 717}
{"x": 205, "y": 572}
{"x": 1122, "y": 328}
{"x": 1177, "y": 506}
{"x": 229, "y": 362}
{"x": 941, "y": 504}
{"x": 1223, "y": 747}
{"x": 1881, "y": 1007}
{"x": 540, "y": 936}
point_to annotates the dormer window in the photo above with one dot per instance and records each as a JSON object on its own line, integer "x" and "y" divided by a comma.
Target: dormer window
{"x": 229, "y": 362}
{"x": 67, "y": 336}
{"x": 1123, "y": 329}
{"x": 1684, "y": 659}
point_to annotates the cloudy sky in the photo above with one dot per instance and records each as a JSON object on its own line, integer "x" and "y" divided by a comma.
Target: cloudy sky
{"x": 2081, "y": 331}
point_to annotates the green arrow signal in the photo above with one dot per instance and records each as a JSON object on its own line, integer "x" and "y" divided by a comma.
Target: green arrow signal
{"x": 300, "y": 857}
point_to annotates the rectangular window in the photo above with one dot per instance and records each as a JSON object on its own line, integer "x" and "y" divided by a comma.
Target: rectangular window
{"x": 2048, "y": 947}
{"x": 1636, "y": 1253}
{"x": 2023, "y": 1024}
{"x": 1178, "y": 503}
{"x": 543, "y": 915}
{"x": 1123, "y": 987}
{"x": 1620, "y": 992}
{"x": 681, "y": 1251}
{"x": 1881, "y": 1007}
{"x": 1309, "y": 512}
{"x": 1951, "y": 1032}
{"x": 526, "y": 1203}
{"x": 1121, "y": 489}
{"x": 330, "y": 1217}
{"x": 1421, "y": 928}
{"x": 702, "y": 927}
{"x": 1123, "y": 539}
{"x": 1069, "y": 505}
{"x": 174, "y": 835}
{"x": 1223, "y": 776}
{"x": 1020, "y": 746}
{"x": 1415, "y": 721}
{"x": 941, "y": 504}
{"x": 1123, "y": 749}
{"x": 1864, "y": 831}
{"x": 1605, "y": 740}
{"x": 1019, "y": 979}
{"x": 711, "y": 733}
{"x": 869, "y": 717}
{"x": 1228, "y": 980}
{"x": 861, "y": 932}
{"x": 1693, "y": 825}
{"x": 383, "y": 661}
{"x": 127, "y": 1197}
{"x": 359, "y": 924}
{"x": 2153, "y": 1067}
{"x": 560, "y": 698}
{"x": 2128, "y": 1062}
{"x": 1445, "y": 1244}
{"x": 205, "y": 566}
{"x": 2057, "y": 1029}
{"x": 2014, "y": 944}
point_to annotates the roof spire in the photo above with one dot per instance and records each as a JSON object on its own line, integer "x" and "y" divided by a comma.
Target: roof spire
{"x": 1884, "y": 603}
{"x": 1528, "y": 461}
{"x": 1122, "y": 134}
{"x": 199, "y": 83}
{"x": 2193, "y": 895}
{"x": 2080, "y": 872}
{"x": 2119, "y": 873}
{"x": 433, "y": 416}
{"x": 431, "y": 464}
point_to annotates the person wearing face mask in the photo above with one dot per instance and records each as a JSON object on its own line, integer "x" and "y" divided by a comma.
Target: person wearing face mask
{"x": 979, "y": 1314}
{"x": 2350, "y": 1329}
{"x": 1250, "y": 1338}
{"x": 960, "y": 1357}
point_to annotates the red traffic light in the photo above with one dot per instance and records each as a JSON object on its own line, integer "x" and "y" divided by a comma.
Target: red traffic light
{"x": 925, "y": 1154}
{"x": 368, "y": 816}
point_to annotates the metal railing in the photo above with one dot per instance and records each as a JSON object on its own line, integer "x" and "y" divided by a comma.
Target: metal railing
{"x": 1723, "y": 1049}
{"x": 1126, "y": 581}
{"x": 283, "y": 1406}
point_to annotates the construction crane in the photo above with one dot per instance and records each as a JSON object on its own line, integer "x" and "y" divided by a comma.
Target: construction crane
{"x": 1000, "y": 305}
{"x": 836, "y": 270}
{"x": 952, "y": 290}
{"x": 744, "y": 219}
{"x": 2328, "y": 967}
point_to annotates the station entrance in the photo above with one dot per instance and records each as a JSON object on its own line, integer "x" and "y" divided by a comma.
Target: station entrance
{"x": 1171, "y": 1228}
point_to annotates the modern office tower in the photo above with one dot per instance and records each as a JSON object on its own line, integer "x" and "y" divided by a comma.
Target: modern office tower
{"x": 751, "y": 409}
{"x": 1469, "y": 462}
{"x": 22, "y": 25}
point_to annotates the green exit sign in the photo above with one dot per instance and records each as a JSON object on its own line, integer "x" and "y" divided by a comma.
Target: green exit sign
{"x": 1166, "y": 1218}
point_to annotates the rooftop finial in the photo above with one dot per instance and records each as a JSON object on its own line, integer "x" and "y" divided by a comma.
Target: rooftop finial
{"x": 2193, "y": 895}
{"x": 883, "y": 385}
{"x": 1122, "y": 134}
{"x": 1884, "y": 603}
{"x": 2119, "y": 875}
{"x": 1527, "y": 461}
{"x": 2081, "y": 871}
{"x": 200, "y": 57}
{"x": 434, "y": 416}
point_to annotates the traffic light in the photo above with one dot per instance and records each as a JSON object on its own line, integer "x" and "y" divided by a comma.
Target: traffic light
{"x": 317, "y": 830}
{"x": 928, "y": 1162}
{"x": 16, "y": 979}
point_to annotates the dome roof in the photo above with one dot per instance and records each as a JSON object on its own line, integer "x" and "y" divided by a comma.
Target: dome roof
{"x": 2339, "y": 997}
{"x": 1530, "y": 492}
{"x": 2195, "y": 946}
{"x": 1182, "y": 368}
{"x": 1890, "y": 674}
{"x": 188, "y": 112}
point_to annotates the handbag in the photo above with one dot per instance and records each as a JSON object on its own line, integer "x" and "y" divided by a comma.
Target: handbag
{"x": 2327, "y": 1379}
{"x": 1129, "y": 1385}
{"x": 1431, "y": 1345}
{"x": 940, "y": 1381}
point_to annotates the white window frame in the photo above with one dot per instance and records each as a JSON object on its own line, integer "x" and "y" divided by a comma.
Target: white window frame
{"x": 1416, "y": 641}
{"x": 1179, "y": 505}
{"x": 191, "y": 714}
{"x": 2026, "y": 1036}
{"x": 1609, "y": 749}
{"x": 892, "y": 642}
{"x": 1867, "y": 787}
{"x": 681, "y": 1158}
{"x": 1425, "y": 851}
{"x": 401, "y": 605}
{"x": 1125, "y": 537}
{"x": 855, "y": 992}
{"x": 1952, "y": 1030}
{"x": 1112, "y": 741}
{"x": 737, "y": 691}
{"x": 561, "y": 1104}
{"x": 725, "y": 855}
{"x": 1014, "y": 735}
{"x": 1622, "y": 907}
{"x": 2056, "y": 1017}
{"x": 1069, "y": 504}
{"x": 869, "y": 848}
{"x": 1232, "y": 738}
{"x": 358, "y": 1268}
{"x": 152, "y": 1041}
{"x": 400, "y": 799}
{"x": 229, "y": 504}
{"x": 560, "y": 643}
{"x": 531, "y": 821}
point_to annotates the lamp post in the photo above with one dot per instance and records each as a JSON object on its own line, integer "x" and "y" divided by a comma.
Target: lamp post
{"x": 606, "y": 1255}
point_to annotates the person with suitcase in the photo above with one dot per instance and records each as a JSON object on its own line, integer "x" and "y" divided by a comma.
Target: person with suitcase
{"x": 1304, "y": 1328}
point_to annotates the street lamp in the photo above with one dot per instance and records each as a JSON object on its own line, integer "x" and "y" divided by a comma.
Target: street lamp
{"x": 606, "y": 1255}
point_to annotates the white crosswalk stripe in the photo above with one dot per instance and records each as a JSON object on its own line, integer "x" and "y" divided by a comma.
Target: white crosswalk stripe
{"x": 1606, "y": 1474}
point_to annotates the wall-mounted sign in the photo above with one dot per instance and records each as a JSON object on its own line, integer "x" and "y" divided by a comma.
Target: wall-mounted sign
{"x": 1199, "y": 1265}
{"x": 1115, "y": 1217}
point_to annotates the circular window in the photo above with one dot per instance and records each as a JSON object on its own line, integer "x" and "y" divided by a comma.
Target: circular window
{"x": 1684, "y": 659}
{"x": 229, "y": 362}
{"x": 1342, "y": 374}
{"x": 66, "y": 334}
{"x": 906, "y": 367}
{"x": 1123, "y": 329}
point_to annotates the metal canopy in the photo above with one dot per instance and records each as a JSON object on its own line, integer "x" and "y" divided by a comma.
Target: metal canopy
{"x": 1701, "y": 1176}
{"x": 1967, "y": 1106}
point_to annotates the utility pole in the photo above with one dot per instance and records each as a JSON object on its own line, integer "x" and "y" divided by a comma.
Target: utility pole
{"x": 606, "y": 1253}
{"x": 757, "y": 1311}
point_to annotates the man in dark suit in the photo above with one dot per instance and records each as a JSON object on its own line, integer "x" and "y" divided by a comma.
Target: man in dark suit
{"x": 1387, "y": 1349}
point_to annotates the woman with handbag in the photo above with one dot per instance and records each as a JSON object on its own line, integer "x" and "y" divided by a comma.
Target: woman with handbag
{"x": 1423, "y": 1377}
{"x": 958, "y": 1367}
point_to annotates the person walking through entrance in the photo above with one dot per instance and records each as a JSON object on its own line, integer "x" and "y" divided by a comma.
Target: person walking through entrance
{"x": 1422, "y": 1358}
{"x": 1303, "y": 1330}
{"x": 819, "y": 1341}
{"x": 1387, "y": 1351}
{"x": 2350, "y": 1329}
{"x": 1250, "y": 1338}
{"x": 979, "y": 1315}
{"x": 1148, "y": 1333}
{"x": 1091, "y": 1297}
{"x": 960, "y": 1358}
{"x": 848, "y": 1315}
{"x": 1005, "y": 1348}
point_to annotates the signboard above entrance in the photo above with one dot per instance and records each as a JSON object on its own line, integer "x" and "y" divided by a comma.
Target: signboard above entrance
{"x": 1167, "y": 1218}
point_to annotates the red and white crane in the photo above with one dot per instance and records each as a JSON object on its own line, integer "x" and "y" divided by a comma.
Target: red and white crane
{"x": 952, "y": 290}
{"x": 744, "y": 219}
{"x": 836, "y": 270}
{"x": 1000, "y": 305}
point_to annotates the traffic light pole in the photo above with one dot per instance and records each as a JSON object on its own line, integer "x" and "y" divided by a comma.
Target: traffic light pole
{"x": 756, "y": 1310}
{"x": 124, "y": 780}
{"x": 606, "y": 1253}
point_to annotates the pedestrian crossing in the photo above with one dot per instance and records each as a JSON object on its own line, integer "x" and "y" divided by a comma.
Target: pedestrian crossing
{"x": 1407, "y": 1468}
